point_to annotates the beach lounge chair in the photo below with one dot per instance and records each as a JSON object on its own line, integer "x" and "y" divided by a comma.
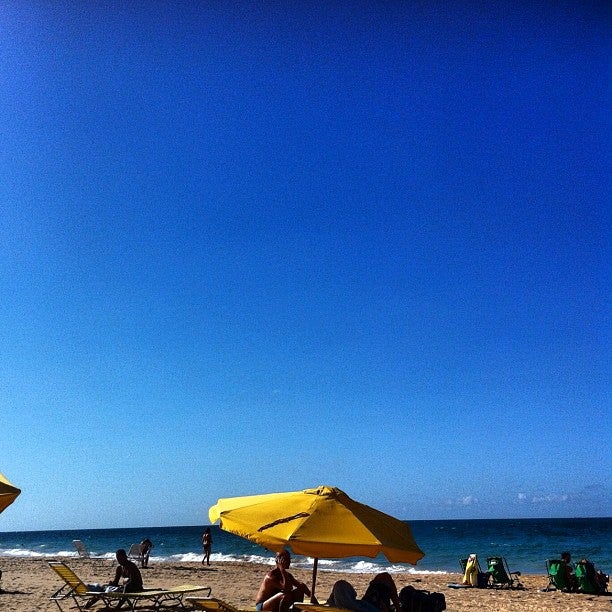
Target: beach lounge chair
{"x": 156, "y": 599}
{"x": 135, "y": 553}
{"x": 83, "y": 553}
{"x": 500, "y": 574}
{"x": 557, "y": 576}
{"x": 589, "y": 580}
{"x": 212, "y": 604}
{"x": 320, "y": 607}
{"x": 74, "y": 588}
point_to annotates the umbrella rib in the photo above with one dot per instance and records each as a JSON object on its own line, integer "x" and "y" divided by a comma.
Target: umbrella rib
{"x": 286, "y": 519}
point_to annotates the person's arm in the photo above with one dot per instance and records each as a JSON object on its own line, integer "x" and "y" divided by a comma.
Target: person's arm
{"x": 131, "y": 576}
{"x": 302, "y": 586}
{"x": 115, "y": 581}
{"x": 292, "y": 583}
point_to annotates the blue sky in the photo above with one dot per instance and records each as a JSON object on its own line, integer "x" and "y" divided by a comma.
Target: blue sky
{"x": 256, "y": 247}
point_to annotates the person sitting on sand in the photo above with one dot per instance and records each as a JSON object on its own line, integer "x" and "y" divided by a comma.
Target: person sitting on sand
{"x": 380, "y": 596}
{"x": 597, "y": 578}
{"x": 279, "y": 590}
{"x": 343, "y": 595}
{"x": 382, "y": 593}
{"x": 145, "y": 550}
{"x": 572, "y": 582}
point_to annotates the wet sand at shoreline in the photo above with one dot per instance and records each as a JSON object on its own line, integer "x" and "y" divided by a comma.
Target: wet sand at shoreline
{"x": 28, "y": 584}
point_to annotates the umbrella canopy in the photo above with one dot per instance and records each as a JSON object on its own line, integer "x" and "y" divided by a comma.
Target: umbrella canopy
{"x": 322, "y": 522}
{"x": 8, "y": 493}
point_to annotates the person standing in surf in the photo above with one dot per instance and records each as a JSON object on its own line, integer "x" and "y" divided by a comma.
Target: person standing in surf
{"x": 206, "y": 545}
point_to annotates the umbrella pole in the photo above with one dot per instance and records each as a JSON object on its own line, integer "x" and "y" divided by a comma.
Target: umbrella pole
{"x": 314, "y": 580}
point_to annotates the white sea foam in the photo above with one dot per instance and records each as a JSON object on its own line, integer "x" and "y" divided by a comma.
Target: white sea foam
{"x": 37, "y": 554}
{"x": 359, "y": 567}
{"x": 18, "y": 552}
{"x": 325, "y": 565}
{"x": 192, "y": 557}
{"x": 185, "y": 558}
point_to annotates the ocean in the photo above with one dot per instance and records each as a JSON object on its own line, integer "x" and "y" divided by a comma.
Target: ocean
{"x": 525, "y": 543}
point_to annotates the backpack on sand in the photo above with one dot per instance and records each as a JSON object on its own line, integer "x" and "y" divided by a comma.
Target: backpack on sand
{"x": 415, "y": 600}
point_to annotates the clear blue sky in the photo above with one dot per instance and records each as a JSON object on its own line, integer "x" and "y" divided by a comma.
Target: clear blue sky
{"x": 256, "y": 247}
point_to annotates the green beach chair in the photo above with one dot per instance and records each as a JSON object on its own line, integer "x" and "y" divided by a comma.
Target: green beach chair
{"x": 500, "y": 574}
{"x": 557, "y": 576}
{"x": 589, "y": 580}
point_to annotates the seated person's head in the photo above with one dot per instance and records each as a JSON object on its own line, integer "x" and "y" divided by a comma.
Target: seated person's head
{"x": 565, "y": 556}
{"x": 121, "y": 556}
{"x": 283, "y": 558}
{"x": 378, "y": 594}
{"x": 344, "y": 595}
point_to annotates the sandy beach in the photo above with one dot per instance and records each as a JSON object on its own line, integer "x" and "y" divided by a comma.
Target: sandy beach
{"x": 28, "y": 583}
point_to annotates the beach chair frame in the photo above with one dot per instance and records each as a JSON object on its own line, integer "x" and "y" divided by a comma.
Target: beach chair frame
{"x": 305, "y": 606}
{"x": 135, "y": 553}
{"x": 587, "y": 582}
{"x": 73, "y": 588}
{"x": 500, "y": 574}
{"x": 556, "y": 570}
{"x": 83, "y": 553}
{"x": 156, "y": 599}
{"x": 212, "y": 604}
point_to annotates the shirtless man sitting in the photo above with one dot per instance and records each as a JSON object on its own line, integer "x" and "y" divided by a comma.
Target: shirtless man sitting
{"x": 128, "y": 578}
{"x": 279, "y": 590}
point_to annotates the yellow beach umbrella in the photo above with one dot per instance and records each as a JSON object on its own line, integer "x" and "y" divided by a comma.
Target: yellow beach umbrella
{"x": 321, "y": 522}
{"x": 8, "y": 493}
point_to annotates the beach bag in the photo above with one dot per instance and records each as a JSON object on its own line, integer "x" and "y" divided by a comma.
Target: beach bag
{"x": 483, "y": 580}
{"x": 437, "y": 602}
{"x": 415, "y": 600}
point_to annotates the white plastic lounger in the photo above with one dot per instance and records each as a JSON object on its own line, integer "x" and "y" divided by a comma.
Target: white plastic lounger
{"x": 83, "y": 553}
